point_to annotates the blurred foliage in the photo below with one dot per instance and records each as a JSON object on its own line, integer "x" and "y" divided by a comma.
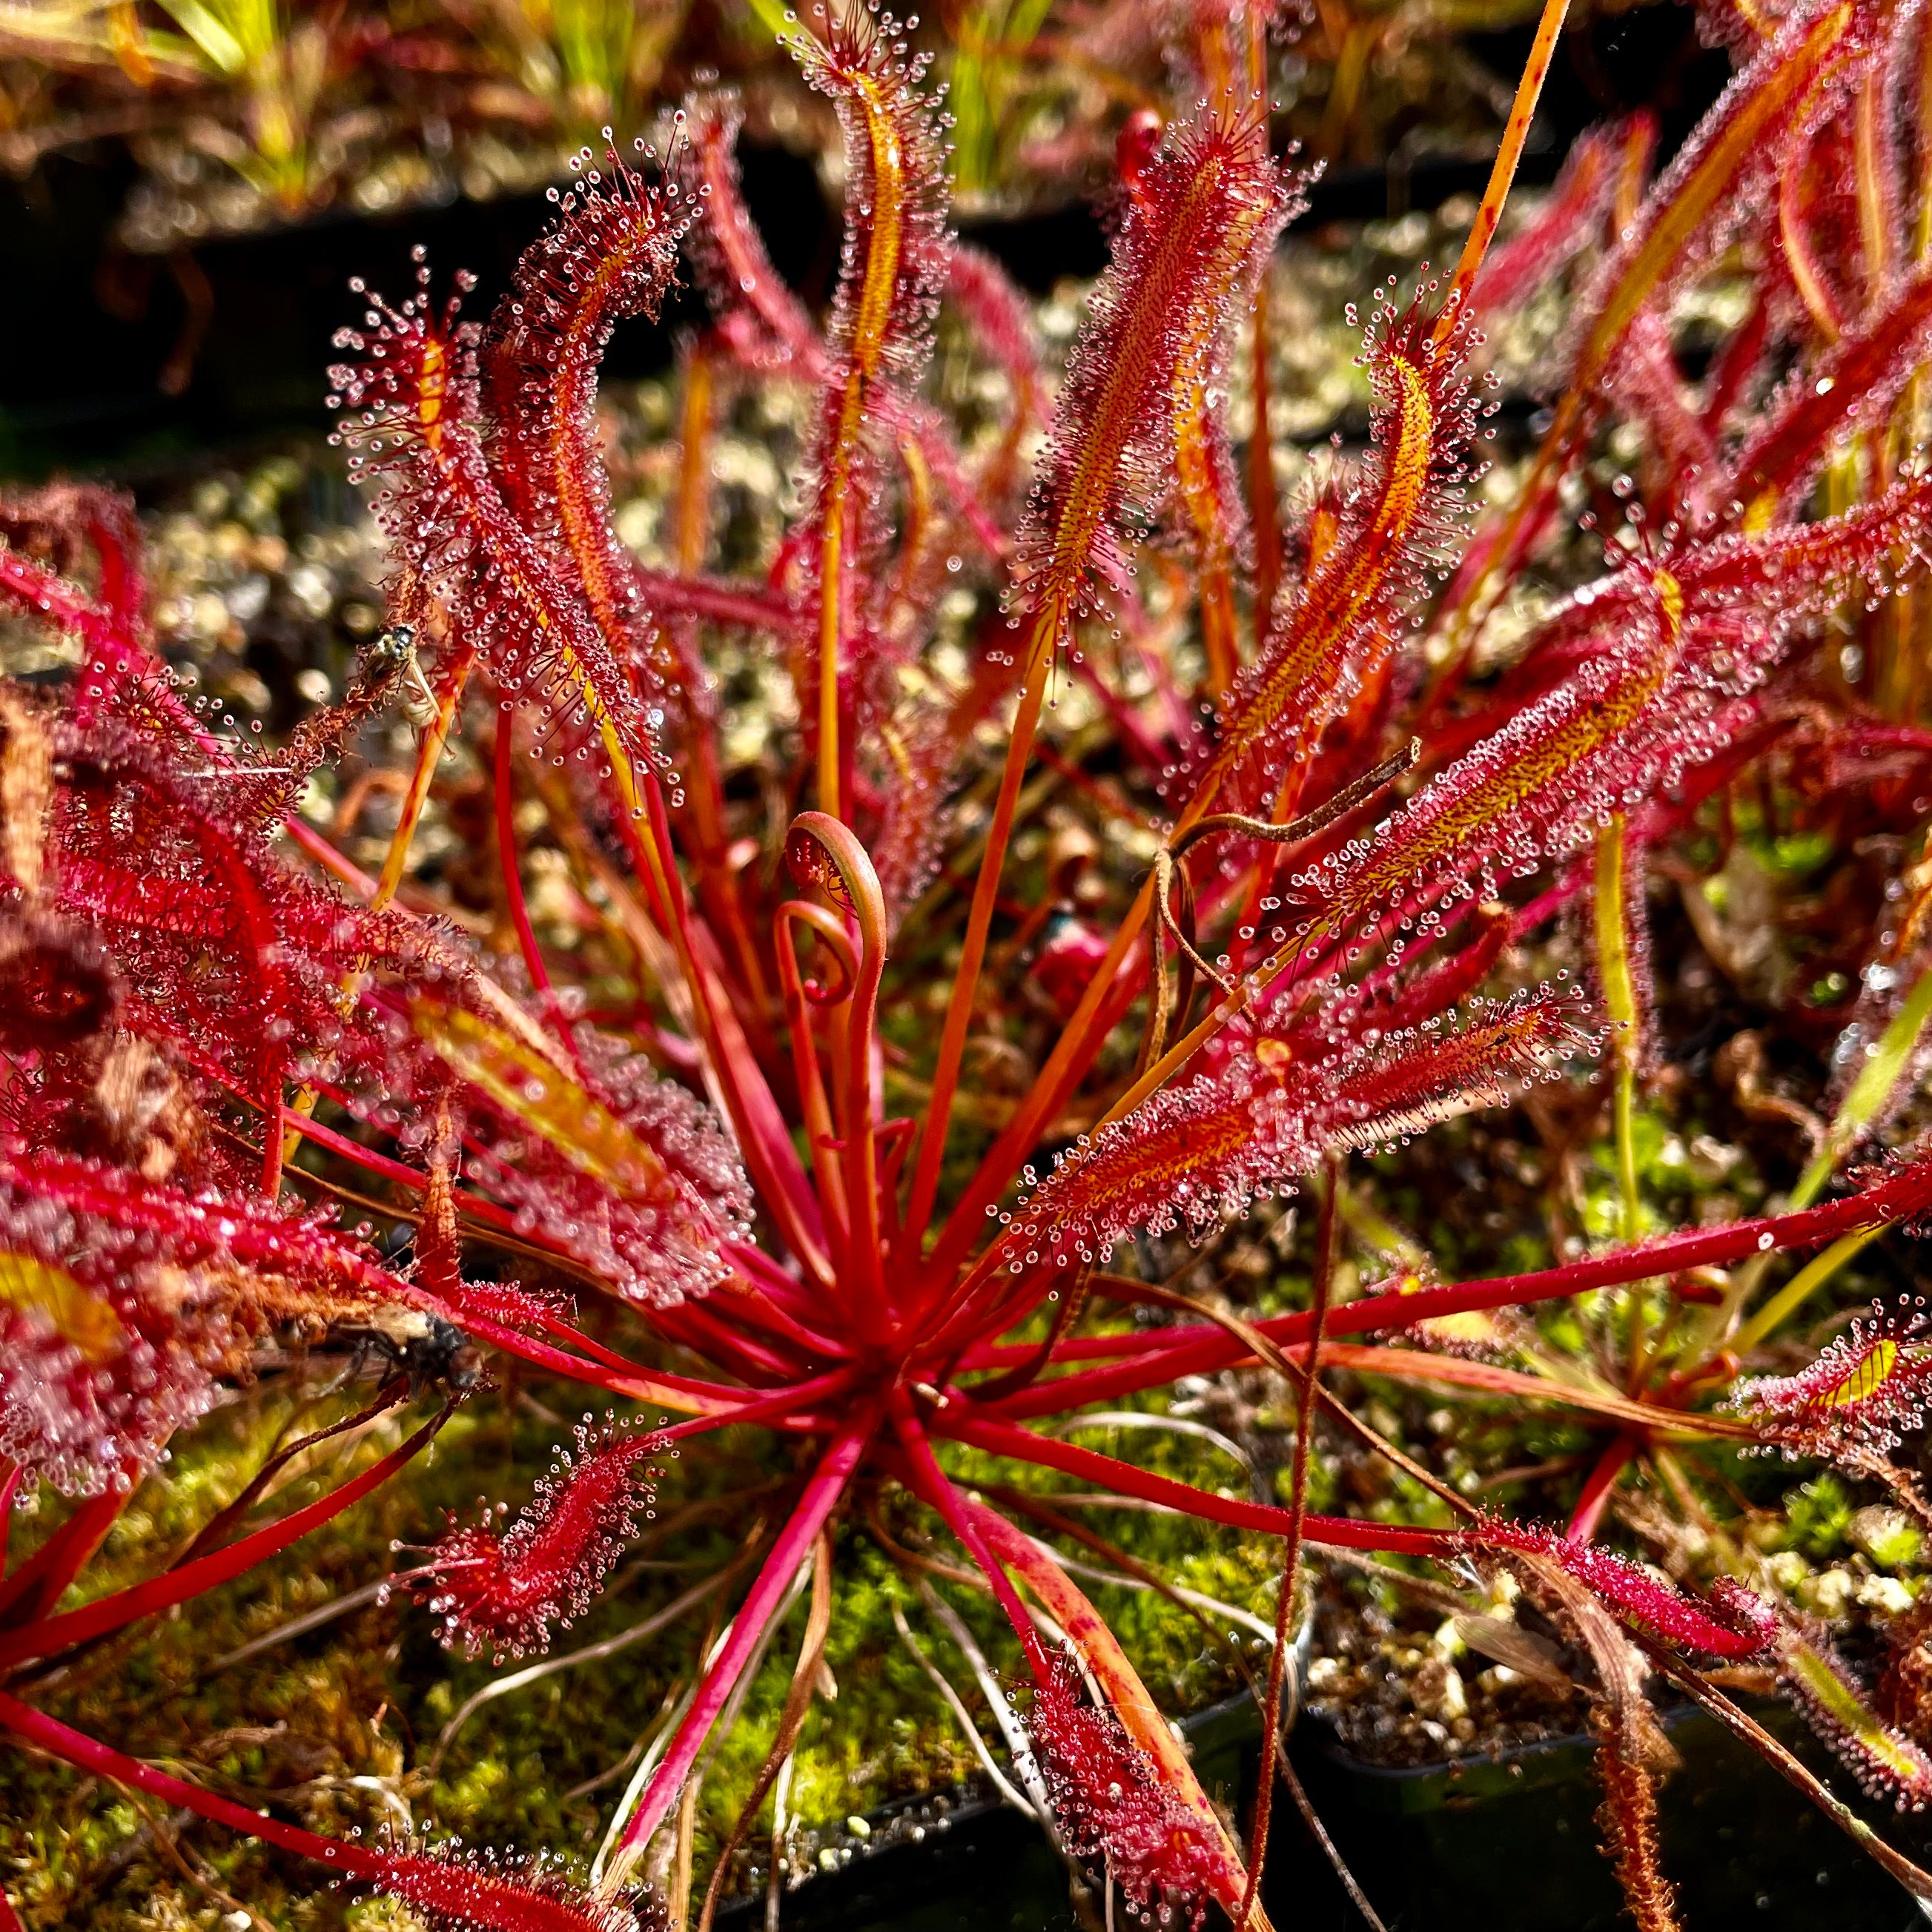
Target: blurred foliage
{"x": 243, "y": 113}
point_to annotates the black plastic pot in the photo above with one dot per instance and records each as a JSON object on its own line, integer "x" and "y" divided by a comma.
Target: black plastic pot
{"x": 958, "y": 1863}
{"x": 1508, "y": 1844}
{"x": 1513, "y": 1842}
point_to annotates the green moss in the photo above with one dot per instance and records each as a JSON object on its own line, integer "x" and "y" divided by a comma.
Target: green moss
{"x": 1818, "y": 1517}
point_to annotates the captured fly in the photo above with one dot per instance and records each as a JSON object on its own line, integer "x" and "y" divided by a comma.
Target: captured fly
{"x": 392, "y": 657}
{"x": 432, "y": 1352}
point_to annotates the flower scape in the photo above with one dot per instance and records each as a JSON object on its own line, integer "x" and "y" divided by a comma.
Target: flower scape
{"x": 1158, "y": 846}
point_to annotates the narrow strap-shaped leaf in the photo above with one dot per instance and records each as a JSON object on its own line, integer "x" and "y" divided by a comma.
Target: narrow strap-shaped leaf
{"x": 1165, "y": 1354}
{"x": 1139, "y": 1716}
{"x": 820, "y": 1496}
{"x": 40, "y": 1583}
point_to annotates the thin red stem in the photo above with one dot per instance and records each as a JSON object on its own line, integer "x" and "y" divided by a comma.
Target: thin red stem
{"x": 821, "y": 1495}
{"x": 1046, "y": 1452}
{"x": 1598, "y": 1488}
{"x": 1164, "y": 1354}
{"x": 930, "y": 1483}
{"x": 718, "y": 602}
{"x": 76, "y": 1748}
{"x": 10, "y": 1488}
{"x": 40, "y": 1583}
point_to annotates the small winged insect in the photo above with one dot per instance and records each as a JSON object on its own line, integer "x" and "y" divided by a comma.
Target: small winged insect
{"x": 389, "y": 659}
{"x": 385, "y": 658}
{"x": 433, "y": 1353}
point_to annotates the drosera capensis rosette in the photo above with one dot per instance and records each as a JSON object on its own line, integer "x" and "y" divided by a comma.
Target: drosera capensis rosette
{"x": 1359, "y": 841}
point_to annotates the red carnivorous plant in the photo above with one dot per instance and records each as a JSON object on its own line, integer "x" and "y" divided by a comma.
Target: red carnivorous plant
{"x": 209, "y": 1015}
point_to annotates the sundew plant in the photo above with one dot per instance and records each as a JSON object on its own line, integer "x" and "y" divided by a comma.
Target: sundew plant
{"x": 1377, "y": 805}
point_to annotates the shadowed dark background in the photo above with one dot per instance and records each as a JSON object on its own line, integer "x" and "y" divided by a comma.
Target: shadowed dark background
{"x": 110, "y": 359}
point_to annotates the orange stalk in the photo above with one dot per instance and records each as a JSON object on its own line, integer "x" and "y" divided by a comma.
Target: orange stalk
{"x": 450, "y": 684}
{"x": 694, "y": 475}
{"x": 1041, "y": 647}
{"x": 1800, "y": 257}
{"x": 1194, "y": 462}
{"x": 1515, "y": 132}
{"x": 1874, "y": 162}
{"x": 831, "y": 581}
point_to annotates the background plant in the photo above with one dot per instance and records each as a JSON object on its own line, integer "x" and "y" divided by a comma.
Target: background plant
{"x": 247, "y": 115}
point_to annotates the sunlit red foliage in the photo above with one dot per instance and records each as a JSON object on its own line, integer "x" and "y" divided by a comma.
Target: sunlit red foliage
{"x": 502, "y": 1590}
{"x": 1329, "y": 956}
